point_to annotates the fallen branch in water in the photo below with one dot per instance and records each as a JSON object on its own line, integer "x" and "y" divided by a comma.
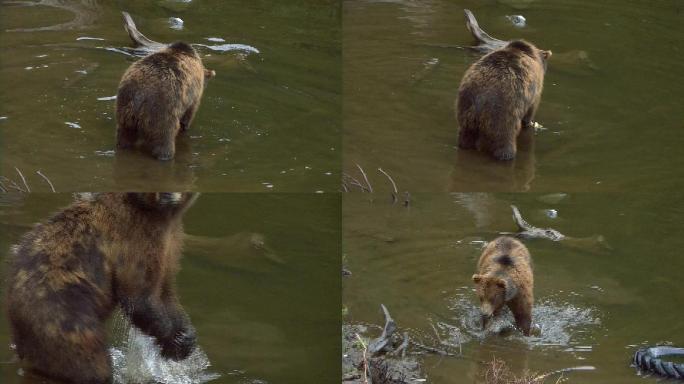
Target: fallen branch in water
{"x": 486, "y": 43}
{"x": 349, "y": 181}
{"x": 52, "y": 187}
{"x": 370, "y": 188}
{"x": 7, "y": 184}
{"x": 394, "y": 185}
{"x": 498, "y": 372}
{"x": 139, "y": 40}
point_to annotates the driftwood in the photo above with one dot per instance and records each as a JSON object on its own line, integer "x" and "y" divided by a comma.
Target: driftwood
{"x": 594, "y": 244}
{"x": 527, "y": 231}
{"x": 143, "y": 45}
{"x": 486, "y": 43}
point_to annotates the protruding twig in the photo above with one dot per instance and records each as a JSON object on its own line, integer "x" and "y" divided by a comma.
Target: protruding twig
{"x": 366, "y": 366}
{"x": 354, "y": 181}
{"x": 370, "y": 188}
{"x": 407, "y": 199}
{"x": 23, "y": 179}
{"x": 46, "y": 179}
{"x": 394, "y": 185}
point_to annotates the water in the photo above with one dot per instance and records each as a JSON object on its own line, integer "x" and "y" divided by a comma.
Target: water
{"x": 595, "y": 305}
{"x": 611, "y": 107}
{"x": 271, "y": 115}
{"x": 259, "y": 280}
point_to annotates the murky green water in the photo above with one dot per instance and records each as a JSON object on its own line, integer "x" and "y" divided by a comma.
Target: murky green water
{"x": 264, "y": 310}
{"x": 268, "y": 121}
{"x": 611, "y": 105}
{"x": 594, "y": 302}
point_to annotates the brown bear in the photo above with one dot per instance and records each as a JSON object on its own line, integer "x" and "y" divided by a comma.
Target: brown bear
{"x": 504, "y": 277}
{"x": 68, "y": 274}
{"x": 157, "y": 98}
{"x": 499, "y": 96}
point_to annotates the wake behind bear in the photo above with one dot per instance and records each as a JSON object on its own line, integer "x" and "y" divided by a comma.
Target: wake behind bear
{"x": 499, "y": 96}
{"x": 68, "y": 274}
{"x": 158, "y": 97}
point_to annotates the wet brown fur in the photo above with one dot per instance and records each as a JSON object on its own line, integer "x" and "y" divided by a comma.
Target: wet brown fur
{"x": 504, "y": 277}
{"x": 68, "y": 274}
{"x": 499, "y": 96}
{"x": 157, "y": 98}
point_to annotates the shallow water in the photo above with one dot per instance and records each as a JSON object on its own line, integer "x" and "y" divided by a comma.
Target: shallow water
{"x": 595, "y": 303}
{"x": 611, "y": 107}
{"x": 269, "y": 121}
{"x": 259, "y": 280}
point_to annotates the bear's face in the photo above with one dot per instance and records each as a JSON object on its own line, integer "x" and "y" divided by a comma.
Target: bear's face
{"x": 492, "y": 294}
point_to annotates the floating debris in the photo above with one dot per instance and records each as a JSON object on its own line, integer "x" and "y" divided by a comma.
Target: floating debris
{"x": 517, "y": 20}
{"x": 107, "y": 98}
{"x": 109, "y": 153}
{"x": 551, "y": 213}
{"x": 83, "y": 71}
{"x": 175, "y": 23}
{"x": 230, "y": 47}
{"x": 3, "y": 117}
{"x": 215, "y": 39}
{"x": 89, "y": 38}
{"x": 72, "y": 125}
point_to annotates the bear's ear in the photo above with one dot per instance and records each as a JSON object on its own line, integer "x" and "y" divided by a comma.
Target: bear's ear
{"x": 501, "y": 283}
{"x": 546, "y": 54}
{"x": 477, "y": 278}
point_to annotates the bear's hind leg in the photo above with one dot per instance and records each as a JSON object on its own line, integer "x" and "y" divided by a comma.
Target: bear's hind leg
{"x": 503, "y": 144}
{"x": 187, "y": 118}
{"x": 126, "y": 136}
{"x": 467, "y": 137}
{"x": 161, "y": 141}
{"x": 75, "y": 353}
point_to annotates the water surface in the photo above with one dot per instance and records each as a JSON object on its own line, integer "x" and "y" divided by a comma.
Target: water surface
{"x": 597, "y": 299}
{"x": 611, "y": 105}
{"x": 269, "y": 121}
{"x": 259, "y": 280}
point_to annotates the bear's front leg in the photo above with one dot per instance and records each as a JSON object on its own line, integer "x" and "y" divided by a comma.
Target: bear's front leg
{"x": 166, "y": 322}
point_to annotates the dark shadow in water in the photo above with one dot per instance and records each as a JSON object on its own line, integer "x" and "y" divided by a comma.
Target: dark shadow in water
{"x": 477, "y": 171}
{"x": 138, "y": 171}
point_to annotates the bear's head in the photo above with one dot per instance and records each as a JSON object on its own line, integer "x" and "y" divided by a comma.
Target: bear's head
{"x": 531, "y": 50}
{"x": 493, "y": 292}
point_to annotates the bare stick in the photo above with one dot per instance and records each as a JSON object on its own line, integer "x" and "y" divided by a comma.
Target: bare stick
{"x": 354, "y": 181}
{"x": 366, "y": 366}
{"x": 564, "y": 370}
{"x": 46, "y": 179}
{"x": 2, "y": 187}
{"x": 407, "y": 199}
{"x": 370, "y": 188}
{"x": 23, "y": 179}
{"x": 394, "y": 185}
{"x": 138, "y": 38}
{"x": 433, "y": 350}
{"x": 12, "y": 184}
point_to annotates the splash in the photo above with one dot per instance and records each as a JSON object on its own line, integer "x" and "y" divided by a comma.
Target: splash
{"x": 136, "y": 359}
{"x": 558, "y": 323}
